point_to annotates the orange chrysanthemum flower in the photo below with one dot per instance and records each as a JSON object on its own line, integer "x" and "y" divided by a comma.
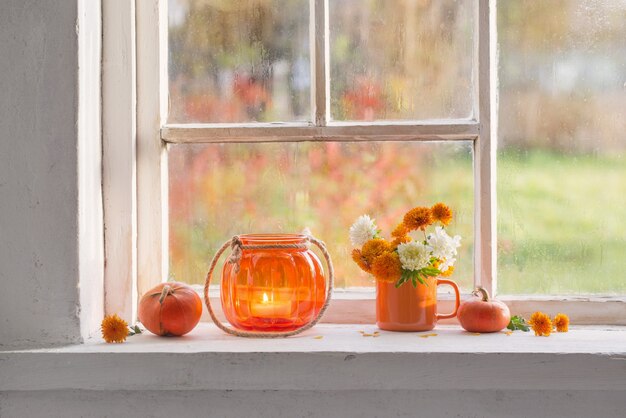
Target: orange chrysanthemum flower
{"x": 387, "y": 267}
{"x": 448, "y": 272}
{"x": 418, "y": 218}
{"x": 114, "y": 329}
{"x": 400, "y": 235}
{"x": 399, "y": 231}
{"x": 401, "y": 240}
{"x": 374, "y": 248}
{"x": 561, "y": 321}
{"x": 442, "y": 213}
{"x": 358, "y": 258}
{"x": 541, "y": 324}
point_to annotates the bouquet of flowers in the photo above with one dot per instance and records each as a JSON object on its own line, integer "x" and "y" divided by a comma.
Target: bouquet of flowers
{"x": 413, "y": 254}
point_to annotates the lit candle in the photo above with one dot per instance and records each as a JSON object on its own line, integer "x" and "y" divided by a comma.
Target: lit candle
{"x": 266, "y": 307}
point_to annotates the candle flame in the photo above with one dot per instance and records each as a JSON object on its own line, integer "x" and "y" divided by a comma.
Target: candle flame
{"x": 265, "y": 298}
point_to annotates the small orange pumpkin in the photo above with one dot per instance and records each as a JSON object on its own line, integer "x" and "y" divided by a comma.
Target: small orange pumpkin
{"x": 171, "y": 309}
{"x": 482, "y": 314}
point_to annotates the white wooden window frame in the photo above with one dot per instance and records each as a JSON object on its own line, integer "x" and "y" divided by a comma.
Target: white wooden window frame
{"x": 135, "y": 140}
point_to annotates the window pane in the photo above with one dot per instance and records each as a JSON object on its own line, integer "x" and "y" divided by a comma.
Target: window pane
{"x": 401, "y": 59}
{"x": 561, "y": 158}
{"x": 239, "y": 61}
{"x": 219, "y": 190}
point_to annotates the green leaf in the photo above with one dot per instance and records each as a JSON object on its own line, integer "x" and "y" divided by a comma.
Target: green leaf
{"x": 402, "y": 279}
{"x": 430, "y": 271}
{"x": 406, "y": 276}
{"x": 421, "y": 278}
{"x": 518, "y": 323}
{"x": 137, "y": 329}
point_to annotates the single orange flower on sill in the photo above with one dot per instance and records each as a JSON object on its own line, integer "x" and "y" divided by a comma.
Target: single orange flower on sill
{"x": 561, "y": 321}
{"x": 541, "y": 324}
{"x": 114, "y": 329}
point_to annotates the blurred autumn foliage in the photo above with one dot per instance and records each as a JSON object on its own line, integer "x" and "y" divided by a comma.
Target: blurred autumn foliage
{"x": 562, "y": 92}
{"x": 229, "y": 189}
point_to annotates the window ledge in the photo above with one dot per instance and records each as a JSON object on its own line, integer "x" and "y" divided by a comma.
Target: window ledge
{"x": 207, "y": 359}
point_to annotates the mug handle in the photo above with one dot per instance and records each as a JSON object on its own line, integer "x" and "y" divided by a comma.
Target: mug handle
{"x": 457, "y": 301}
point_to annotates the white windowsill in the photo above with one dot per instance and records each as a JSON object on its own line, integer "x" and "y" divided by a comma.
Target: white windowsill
{"x": 584, "y": 358}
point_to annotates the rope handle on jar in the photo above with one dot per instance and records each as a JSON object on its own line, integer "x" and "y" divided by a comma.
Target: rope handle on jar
{"x": 235, "y": 258}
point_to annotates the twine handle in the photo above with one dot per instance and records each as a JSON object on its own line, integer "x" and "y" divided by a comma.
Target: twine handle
{"x": 235, "y": 258}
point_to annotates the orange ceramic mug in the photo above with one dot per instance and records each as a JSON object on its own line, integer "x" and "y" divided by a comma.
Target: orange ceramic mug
{"x": 409, "y": 308}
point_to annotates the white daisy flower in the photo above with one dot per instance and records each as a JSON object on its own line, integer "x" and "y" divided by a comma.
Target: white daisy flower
{"x": 414, "y": 255}
{"x": 444, "y": 246}
{"x": 363, "y": 230}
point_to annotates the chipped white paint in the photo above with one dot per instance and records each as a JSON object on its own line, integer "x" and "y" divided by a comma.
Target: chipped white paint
{"x": 453, "y": 130}
{"x": 152, "y": 232}
{"x": 90, "y": 211}
{"x": 119, "y": 174}
{"x": 485, "y": 238}
{"x": 320, "y": 62}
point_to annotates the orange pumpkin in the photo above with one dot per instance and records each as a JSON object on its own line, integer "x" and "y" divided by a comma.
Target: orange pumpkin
{"x": 170, "y": 309}
{"x": 482, "y": 314}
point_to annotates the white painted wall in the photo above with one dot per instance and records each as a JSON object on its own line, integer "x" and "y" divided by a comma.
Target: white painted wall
{"x": 38, "y": 173}
{"x": 42, "y": 136}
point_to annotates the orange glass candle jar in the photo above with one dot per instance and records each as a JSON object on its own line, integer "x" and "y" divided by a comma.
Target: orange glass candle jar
{"x": 273, "y": 288}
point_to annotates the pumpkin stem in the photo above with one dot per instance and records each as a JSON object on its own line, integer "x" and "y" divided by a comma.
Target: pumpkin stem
{"x": 167, "y": 290}
{"x": 482, "y": 293}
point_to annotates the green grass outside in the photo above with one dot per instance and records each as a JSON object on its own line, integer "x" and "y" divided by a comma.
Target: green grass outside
{"x": 561, "y": 224}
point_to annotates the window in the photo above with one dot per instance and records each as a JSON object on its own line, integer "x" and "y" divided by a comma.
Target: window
{"x": 244, "y": 61}
{"x": 561, "y": 154}
{"x": 285, "y": 114}
{"x": 247, "y": 62}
